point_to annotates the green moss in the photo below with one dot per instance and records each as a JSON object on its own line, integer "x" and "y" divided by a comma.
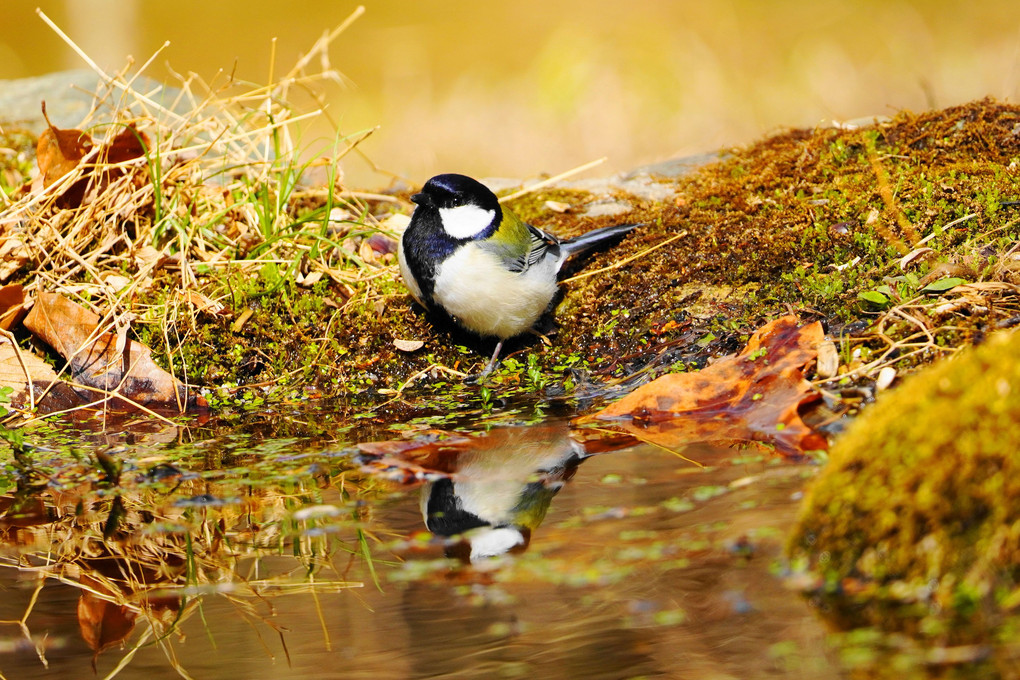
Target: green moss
{"x": 919, "y": 506}
{"x": 796, "y": 220}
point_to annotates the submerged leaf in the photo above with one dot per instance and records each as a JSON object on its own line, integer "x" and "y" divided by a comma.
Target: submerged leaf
{"x": 753, "y": 395}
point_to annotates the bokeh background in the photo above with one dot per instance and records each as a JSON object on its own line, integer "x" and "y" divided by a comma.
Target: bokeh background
{"x": 533, "y": 86}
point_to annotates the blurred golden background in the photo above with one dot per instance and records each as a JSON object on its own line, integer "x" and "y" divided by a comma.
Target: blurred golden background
{"x": 518, "y": 89}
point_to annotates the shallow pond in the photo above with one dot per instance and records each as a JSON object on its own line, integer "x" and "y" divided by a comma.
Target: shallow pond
{"x": 250, "y": 556}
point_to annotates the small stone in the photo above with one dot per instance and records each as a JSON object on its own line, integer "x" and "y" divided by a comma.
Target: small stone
{"x": 408, "y": 345}
{"x": 828, "y": 359}
{"x": 608, "y": 209}
{"x": 885, "y": 378}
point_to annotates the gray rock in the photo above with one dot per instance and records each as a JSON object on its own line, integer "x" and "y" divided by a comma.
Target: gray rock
{"x": 69, "y": 96}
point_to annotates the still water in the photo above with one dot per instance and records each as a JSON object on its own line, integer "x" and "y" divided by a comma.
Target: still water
{"x": 254, "y": 557}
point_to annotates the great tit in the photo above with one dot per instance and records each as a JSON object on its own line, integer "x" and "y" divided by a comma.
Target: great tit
{"x": 476, "y": 261}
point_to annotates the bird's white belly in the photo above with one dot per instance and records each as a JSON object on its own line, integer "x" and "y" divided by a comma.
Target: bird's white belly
{"x": 475, "y": 288}
{"x": 405, "y": 273}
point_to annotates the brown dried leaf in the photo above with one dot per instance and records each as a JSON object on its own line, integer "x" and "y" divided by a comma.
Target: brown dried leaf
{"x": 12, "y": 305}
{"x": 129, "y": 144}
{"x": 58, "y": 152}
{"x": 104, "y": 361}
{"x": 408, "y": 345}
{"x": 16, "y": 372}
{"x": 753, "y": 395}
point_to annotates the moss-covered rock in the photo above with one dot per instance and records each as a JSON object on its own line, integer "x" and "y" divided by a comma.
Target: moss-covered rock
{"x": 914, "y": 524}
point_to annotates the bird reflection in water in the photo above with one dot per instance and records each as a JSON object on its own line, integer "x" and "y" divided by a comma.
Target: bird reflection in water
{"x": 487, "y": 494}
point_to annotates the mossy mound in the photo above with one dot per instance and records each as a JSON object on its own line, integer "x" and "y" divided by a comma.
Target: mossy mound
{"x": 807, "y": 220}
{"x": 914, "y": 525}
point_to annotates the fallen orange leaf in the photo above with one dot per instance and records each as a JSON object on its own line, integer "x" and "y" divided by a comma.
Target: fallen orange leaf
{"x": 751, "y": 396}
{"x": 127, "y": 145}
{"x": 58, "y": 152}
{"x": 103, "y": 360}
{"x": 12, "y": 305}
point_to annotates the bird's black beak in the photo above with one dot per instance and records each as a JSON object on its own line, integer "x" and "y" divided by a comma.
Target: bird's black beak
{"x": 419, "y": 199}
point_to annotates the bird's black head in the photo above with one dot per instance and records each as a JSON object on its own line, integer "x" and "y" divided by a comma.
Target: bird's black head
{"x": 452, "y": 211}
{"x": 467, "y": 209}
{"x": 452, "y": 191}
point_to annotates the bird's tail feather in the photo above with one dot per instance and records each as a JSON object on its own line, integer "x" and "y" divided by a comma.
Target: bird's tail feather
{"x": 594, "y": 238}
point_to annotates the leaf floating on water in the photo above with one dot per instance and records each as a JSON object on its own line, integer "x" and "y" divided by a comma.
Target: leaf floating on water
{"x": 751, "y": 396}
{"x": 429, "y": 456}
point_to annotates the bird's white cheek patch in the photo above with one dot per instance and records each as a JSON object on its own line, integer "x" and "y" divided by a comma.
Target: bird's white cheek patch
{"x": 465, "y": 221}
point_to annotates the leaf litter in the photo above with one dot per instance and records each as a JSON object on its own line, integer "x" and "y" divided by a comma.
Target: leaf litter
{"x": 754, "y": 395}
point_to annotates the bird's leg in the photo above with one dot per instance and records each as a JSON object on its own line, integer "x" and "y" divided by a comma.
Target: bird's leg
{"x": 492, "y": 361}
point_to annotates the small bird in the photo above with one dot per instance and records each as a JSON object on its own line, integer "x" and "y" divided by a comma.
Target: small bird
{"x": 492, "y": 273}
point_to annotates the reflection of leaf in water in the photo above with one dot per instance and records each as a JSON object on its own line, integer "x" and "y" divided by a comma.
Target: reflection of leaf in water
{"x": 407, "y": 461}
{"x": 512, "y": 451}
{"x": 103, "y": 623}
{"x": 754, "y": 395}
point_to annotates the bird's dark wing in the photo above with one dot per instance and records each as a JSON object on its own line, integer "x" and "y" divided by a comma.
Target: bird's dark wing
{"x": 542, "y": 245}
{"x": 518, "y": 255}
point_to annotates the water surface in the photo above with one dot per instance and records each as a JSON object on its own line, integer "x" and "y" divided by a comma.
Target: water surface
{"x": 298, "y": 564}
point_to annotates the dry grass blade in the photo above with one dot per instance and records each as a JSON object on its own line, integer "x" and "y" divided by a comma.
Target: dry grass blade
{"x": 552, "y": 180}
{"x": 217, "y": 183}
